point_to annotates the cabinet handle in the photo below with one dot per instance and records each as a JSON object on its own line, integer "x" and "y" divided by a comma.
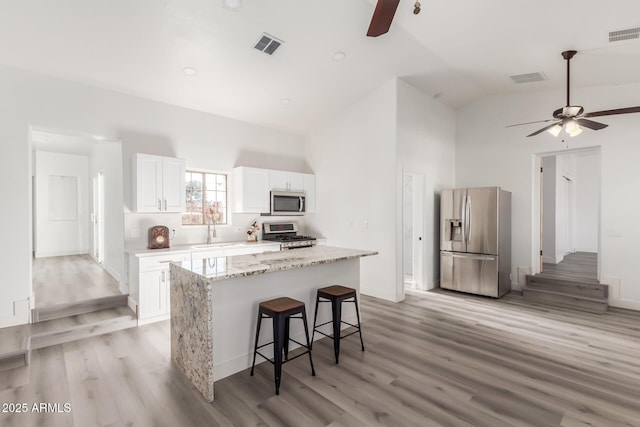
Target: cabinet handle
{"x": 159, "y": 204}
{"x": 165, "y": 204}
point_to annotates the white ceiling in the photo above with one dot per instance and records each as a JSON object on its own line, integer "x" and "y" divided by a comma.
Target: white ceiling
{"x": 458, "y": 50}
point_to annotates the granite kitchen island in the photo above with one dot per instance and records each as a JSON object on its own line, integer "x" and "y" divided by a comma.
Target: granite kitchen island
{"x": 214, "y": 304}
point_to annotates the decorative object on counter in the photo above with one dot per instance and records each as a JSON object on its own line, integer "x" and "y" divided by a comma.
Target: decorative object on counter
{"x": 159, "y": 237}
{"x": 214, "y": 215}
{"x": 252, "y": 235}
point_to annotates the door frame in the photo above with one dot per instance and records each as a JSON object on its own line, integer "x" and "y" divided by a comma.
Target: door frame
{"x": 417, "y": 219}
{"x": 536, "y": 206}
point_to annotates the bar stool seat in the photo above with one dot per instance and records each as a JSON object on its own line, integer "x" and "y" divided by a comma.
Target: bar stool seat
{"x": 336, "y": 295}
{"x": 281, "y": 310}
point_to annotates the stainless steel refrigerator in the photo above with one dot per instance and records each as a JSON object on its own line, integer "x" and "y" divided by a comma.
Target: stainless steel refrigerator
{"x": 475, "y": 240}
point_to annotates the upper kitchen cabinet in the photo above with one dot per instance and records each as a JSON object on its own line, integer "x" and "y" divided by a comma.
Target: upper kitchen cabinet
{"x": 251, "y": 189}
{"x": 159, "y": 183}
{"x": 310, "y": 191}
{"x": 286, "y": 181}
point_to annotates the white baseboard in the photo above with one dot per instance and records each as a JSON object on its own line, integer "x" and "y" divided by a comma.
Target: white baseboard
{"x": 153, "y": 319}
{"x": 133, "y": 305}
{"x": 614, "y": 294}
{"x": 39, "y": 254}
{"x": 21, "y": 314}
{"x": 389, "y": 296}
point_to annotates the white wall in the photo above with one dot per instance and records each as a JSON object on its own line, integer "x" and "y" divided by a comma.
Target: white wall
{"x": 205, "y": 140}
{"x": 549, "y": 210}
{"x": 426, "y": 145}
{"x": 487, "y": 153}
{"x": 106, "y": 157}
{"x": 587, "y": 201}
{"x": 61, "y": 237}
{"x": 353, "y": 156}
{"x": 360, "y": 156}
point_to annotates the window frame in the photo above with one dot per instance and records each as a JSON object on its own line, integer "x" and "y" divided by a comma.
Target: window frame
{"x": 204, "y": 174}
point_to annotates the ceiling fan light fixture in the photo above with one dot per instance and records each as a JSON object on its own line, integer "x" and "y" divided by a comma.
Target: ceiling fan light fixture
{"x": 570, "y": 126}
{"x": 417, "y": 8}
{"x": 577, "y": 131}
{"x": 555, "y": 131}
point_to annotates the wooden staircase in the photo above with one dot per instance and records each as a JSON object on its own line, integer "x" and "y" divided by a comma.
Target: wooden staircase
{"x": 61, "y": 324}
{"x": 578, "y": 294}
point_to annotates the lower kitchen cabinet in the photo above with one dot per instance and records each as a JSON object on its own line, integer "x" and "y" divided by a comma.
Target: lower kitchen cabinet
{"x": 150, "y": 280}
{"x": 154, "y": 294}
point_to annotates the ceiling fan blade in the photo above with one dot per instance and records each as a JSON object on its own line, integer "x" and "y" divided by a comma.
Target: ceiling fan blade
{"x": 613, "y": 112}
{"x": 590, "y": 124}
{"x": 543, "y": 129}
{"x": 382, "y": 17}
{"x": 530, "y": 123}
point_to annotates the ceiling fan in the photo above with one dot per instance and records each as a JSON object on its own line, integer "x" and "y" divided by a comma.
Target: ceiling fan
{"x": 572, "y": 118}
{"x": 383, "y": 16}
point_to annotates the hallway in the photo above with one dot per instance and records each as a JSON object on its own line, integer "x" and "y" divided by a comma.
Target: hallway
{"x": 69, "y": 279}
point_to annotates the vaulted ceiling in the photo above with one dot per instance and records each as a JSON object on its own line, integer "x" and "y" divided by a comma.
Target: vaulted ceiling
{"x": 455, "y": 50}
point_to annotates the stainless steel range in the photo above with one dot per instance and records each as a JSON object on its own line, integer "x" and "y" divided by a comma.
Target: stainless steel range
{"x": 287, "y": 234}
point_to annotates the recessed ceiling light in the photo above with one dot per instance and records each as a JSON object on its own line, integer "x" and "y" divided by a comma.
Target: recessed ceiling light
{"x": 190, "y": 71}
{"x": 339, "y": 56}
{"x": 285, "y": 101}
{"x": 232, "y": 4}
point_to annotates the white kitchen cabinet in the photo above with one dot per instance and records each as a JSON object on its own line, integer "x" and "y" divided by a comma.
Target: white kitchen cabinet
{"x": 159, "y": 183}
{"x": 286, "y": 181}
{"x": 150, "y": 280}
{"x": 154, "y": 295}
{"x": 251, "y": 190}
{"x": 310, "y": 191}
{"x": 252, "y": 187}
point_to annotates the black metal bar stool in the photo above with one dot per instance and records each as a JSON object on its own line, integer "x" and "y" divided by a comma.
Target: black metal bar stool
{"x": 281, "y": 310}
{"x": 336, "y": 295}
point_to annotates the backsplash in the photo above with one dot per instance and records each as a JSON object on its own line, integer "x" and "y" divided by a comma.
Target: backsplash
{"x": 136, "y": 226}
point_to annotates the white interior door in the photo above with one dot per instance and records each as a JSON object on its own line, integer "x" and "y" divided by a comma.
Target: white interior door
{"x": 413, "y": 231}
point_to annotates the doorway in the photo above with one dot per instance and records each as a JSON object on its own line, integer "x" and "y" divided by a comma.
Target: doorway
{"x": 78, "y": 220}
{"x": 569, "y": 213}
{"x": 413, "y": 231}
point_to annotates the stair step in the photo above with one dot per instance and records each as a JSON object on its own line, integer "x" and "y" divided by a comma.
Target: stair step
{"x": 48, "y": 339}
{"x": 59, "y": 331}
{"x": 559, "y": 299}
{"x": 566, "y": 286}
{"x": 15, "y": 359}
{"x": 79, "y": 307}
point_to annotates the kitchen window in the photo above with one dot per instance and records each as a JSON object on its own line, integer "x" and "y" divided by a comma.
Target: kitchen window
{"x": 206, "y": 195}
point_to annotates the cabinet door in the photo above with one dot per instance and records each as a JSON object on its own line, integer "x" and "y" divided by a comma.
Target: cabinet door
{"x": 251, "y": 190}
{"x": 310, "y": 191}
{"x": 278, "y": 180}
{"x": 173, "y": 185}
{"x": 153, "y": 293}
{"x": 296, "y": 181}
{"x": 148, "y": 183}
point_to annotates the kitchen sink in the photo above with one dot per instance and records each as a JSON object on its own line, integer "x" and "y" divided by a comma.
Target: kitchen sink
{"x": 214, "y": 245}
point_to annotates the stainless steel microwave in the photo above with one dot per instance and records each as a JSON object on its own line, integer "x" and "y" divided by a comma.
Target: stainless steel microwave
{"x": 287, "y": 203}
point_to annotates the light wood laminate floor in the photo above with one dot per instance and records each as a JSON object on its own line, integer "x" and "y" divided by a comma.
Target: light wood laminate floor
{"x": 441, "y": 359}
{"x": 576, "y": 266}
{"x": 69, "y": 279}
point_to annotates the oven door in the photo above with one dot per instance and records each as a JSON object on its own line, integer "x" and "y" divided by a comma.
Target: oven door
{"x": 287, "y": 203}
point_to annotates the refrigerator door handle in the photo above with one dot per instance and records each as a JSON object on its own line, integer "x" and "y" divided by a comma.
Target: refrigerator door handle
{"x": 468, "y": 218}
{"x": 473, "y": 257}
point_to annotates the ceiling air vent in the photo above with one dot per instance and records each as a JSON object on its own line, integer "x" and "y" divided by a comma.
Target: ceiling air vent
{"x": 268, "y": 44}
{"x": 631, "y": 33}
{"x": 528, "y": 77}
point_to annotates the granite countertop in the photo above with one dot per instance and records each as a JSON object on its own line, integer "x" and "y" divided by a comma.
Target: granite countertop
{"x": 221, "y": 268}
{"x": 199, "y": 247}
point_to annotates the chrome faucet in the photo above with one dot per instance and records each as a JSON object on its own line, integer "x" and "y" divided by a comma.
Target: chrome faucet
{"x": 211, "y": 233}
